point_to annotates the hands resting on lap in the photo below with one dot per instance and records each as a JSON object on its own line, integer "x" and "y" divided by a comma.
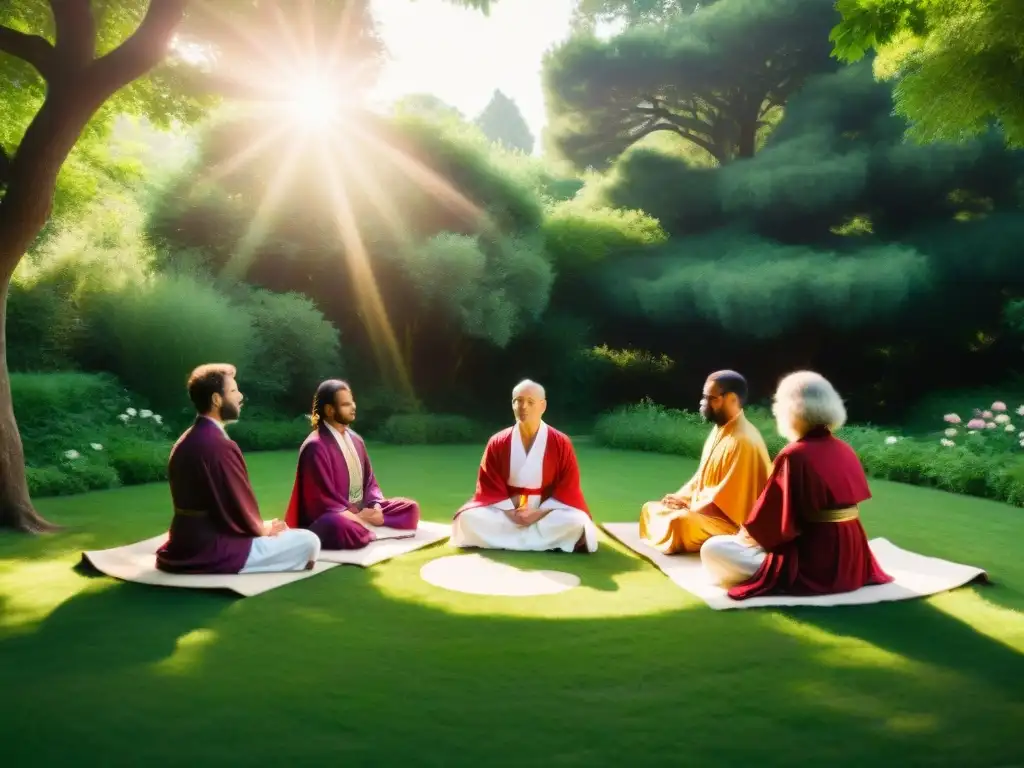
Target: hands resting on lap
{"x": 674, "y": 501}
{"x": 524, "y": 515}
{"x": 373, "y": 515}
{"x": 274, "y": 527}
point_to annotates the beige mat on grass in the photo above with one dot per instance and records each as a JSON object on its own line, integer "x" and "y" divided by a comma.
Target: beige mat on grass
{"x": 915, "y": 575}
{"x": 137, "y": 562}
{"x": 390, "y": 543}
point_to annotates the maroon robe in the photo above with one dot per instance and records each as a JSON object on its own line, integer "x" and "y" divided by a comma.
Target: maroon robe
{"x": 810, "y": 477}
{"x": 321, "y": 492}
{"x": 216, "y": 516}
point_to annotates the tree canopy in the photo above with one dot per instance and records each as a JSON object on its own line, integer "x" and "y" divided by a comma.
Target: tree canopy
{"x": 958, "y": 64}
{"x": 712, "y": 77}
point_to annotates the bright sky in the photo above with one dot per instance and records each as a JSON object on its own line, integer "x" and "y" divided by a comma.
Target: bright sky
{"x": 462, "y": 56}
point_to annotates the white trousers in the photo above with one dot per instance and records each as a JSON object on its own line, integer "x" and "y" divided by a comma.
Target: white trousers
{"x": 490, "y": 528}
{"x": 290, "y": 550}
{"x": 728, "y": 561}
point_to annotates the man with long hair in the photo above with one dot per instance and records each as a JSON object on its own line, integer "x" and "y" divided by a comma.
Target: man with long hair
{"x": 335, "y": 494}
{"x": 217, "y": 526}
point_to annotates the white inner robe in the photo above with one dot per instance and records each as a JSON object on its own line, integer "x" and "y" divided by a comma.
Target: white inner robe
{"x": 290, "y": 550}
{"x": 728, "y": 561}
{"x": 490, "y": 528}
{"x": 355, "y": 467}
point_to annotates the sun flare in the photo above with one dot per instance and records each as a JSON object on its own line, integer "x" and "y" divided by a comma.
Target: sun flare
{"x": 315, "y": 104}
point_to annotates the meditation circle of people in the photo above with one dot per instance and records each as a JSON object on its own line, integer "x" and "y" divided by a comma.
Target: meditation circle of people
{"x": 761, "y": 528}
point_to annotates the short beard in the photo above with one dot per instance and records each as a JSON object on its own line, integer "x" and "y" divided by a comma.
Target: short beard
{"x": 229, "y": 412}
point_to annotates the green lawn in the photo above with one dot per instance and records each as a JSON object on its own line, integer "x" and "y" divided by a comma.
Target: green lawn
{"x": 366, "y": 667}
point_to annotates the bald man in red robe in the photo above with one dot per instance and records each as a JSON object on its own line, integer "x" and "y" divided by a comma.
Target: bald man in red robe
{"x": 804, "y": 535}
{"x": 528, "y": 494}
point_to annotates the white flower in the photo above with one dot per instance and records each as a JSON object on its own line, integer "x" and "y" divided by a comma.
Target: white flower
{"x": 1010, "y": 428}
{"x": 123, "y": 417}
{"x": 1002, "y": 418}
{"x": 145, "y": 413}
{"x": 1020, "y": 411}
{"x": 131, "y": 411}
{"x": 72, "y": 454}
{"x": 891, "y": 440}
{"x": 951, "y": 432}
{"x": 96, "y": 446}
{"x": 158, "y": 418}
{"x": 947, "y": 443}
{"x": 990, "y": 425}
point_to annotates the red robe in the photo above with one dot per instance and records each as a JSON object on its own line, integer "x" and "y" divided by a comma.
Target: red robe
{"x": 811, "y": 476}
{"x": 216, "y": 516}
{"x": 561, "y": 473}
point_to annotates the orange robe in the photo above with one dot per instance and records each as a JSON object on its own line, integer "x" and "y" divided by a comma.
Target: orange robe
{"x": 734, "y": 469}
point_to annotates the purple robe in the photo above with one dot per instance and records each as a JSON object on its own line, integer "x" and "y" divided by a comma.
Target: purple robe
{"x": 321, "y": 493}
{"x": 216, "y": 516}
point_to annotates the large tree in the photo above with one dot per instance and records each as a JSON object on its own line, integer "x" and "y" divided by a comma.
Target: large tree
{"x": 958, "y": 64}
{"x": 71, "y": 65}
{"x": 503, "y": 123}
{"x": 712, "y": 77}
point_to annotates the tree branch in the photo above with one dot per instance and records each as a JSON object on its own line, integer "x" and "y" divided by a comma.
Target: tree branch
{"x": 32, "y": 49}
{"x": 143, "y": 50}
{"x": 75, "y": 32}
{"x": 679, "y": 121}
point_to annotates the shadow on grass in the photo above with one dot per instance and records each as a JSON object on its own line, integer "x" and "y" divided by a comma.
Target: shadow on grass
{"x": 918, "y": 630}
{"x": 596, "y": 570}
{"x": 107, "y": 629}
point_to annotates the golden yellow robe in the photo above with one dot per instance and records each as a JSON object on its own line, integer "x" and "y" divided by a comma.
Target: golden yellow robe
{"x": 734, "y": 468}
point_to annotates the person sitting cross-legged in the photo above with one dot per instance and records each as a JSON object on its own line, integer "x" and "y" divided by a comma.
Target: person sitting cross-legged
{"x": 804, "y": 535}
{"x": 528, "y": 494}
{"x": 335, "y": 493}
{"x": 217, "y": 526}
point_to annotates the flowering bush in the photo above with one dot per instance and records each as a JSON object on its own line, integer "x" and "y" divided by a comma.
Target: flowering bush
{"x": 988, "y": 430}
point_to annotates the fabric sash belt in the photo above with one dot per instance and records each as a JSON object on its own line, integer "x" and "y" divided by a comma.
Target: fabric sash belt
{"x": 833, "y": 515}
{"x": 190, "y": 512}
{"x": 520, "y": 494}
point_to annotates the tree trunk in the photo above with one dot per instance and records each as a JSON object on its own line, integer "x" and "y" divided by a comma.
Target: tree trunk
{"x": 16, "y": 510}
{"x": 76, "y": 87}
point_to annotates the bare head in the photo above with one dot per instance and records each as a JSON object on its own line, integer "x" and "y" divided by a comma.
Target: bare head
{"x": 806, "y": 400}
{"x": 333, "y": 404}
{"x": 725, "y": 392}
{"x": 214, "y": 392}
{"x": 529, "y": 403}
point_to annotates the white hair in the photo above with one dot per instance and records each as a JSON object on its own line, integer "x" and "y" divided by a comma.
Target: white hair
{"x": 805, "y": 400}
{"x": 526, "y": 384}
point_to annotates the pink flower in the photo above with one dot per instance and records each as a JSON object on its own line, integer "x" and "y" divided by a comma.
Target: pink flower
{"x": 986, "y": 414}
{"x": 998, "y": 405}
{"x": 976, "y": 424}
{"x": 952, "y": 418}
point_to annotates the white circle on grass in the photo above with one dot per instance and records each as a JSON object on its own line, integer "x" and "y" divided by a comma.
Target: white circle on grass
{"x": 479, "y": 575}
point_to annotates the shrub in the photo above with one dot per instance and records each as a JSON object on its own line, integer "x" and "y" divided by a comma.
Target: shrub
{"x": 270, "y": 434}
{"x": 577, "y": 237}
{"x": 152, "y": 335}
{"x": 292, "y": 348}
{"x": 81, "y": 432}
{"x": 428, "y": 428}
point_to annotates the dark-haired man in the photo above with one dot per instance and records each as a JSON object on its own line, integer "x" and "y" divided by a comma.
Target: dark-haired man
{"x": 217, "y": 526}
{"x": 734, "y": 468}
{"x": 335, "y": 494}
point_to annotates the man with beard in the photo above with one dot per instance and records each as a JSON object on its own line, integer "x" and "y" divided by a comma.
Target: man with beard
{"x": 528, "y": 494}
{"x": 335, "y": 494}
{"x": 734, "y": 468}
{"x": 217, "y": 526}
